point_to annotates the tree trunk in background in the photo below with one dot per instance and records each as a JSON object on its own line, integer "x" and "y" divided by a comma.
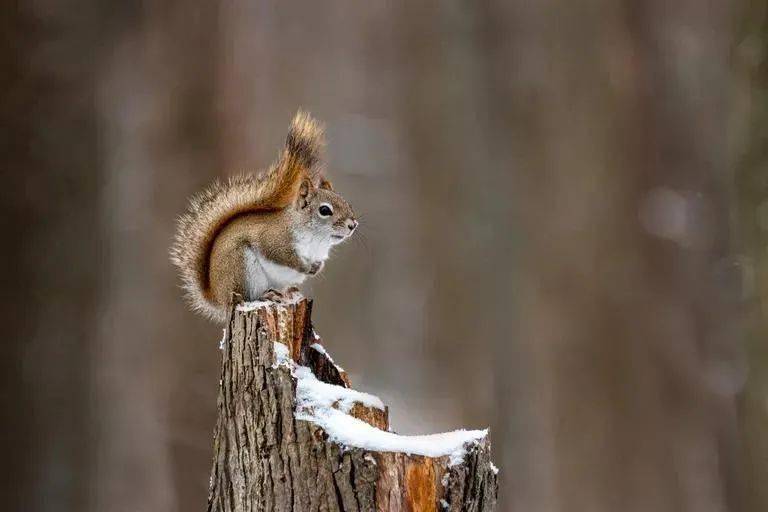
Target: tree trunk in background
{"x": 159, "y": 140}
{"x": 265, "y": 459}
{"x": 749, "y": 132}
{"x": 444, "y": 100}
{"x": 622, "y": 193}
{"x": 51, "y": 239}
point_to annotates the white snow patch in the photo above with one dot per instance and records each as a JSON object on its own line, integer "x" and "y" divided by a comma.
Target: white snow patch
{"x": 252, "y": 306}
{"x": 223, "y": 340}
{"x": 312, "y": 393}
{"x": 315, "y": 401}
{"x": 257, "y": 304}
{"x": 344, "y": 429}
{"x": 282, "y": 357}
{"x": 444, "y": 503}
{"x": 494, "y": 468}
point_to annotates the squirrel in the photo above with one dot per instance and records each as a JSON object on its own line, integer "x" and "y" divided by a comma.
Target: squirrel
{"x": 260, "y": 235}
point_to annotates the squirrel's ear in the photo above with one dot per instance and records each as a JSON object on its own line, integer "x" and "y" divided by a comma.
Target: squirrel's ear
{"x": 325, "y": 184}
{"x": 306, "y": 191}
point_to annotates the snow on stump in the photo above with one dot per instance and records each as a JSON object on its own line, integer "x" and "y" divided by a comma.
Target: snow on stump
{"x": 293, "y": 436}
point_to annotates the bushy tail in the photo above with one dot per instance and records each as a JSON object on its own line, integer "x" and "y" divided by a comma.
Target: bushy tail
{"x": 303, "y": 147}
{"x": 211, "y": 210}
{"x": 305, "y": 140}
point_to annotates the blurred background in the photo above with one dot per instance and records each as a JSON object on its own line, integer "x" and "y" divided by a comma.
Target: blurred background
{"x": 564, "y": 236}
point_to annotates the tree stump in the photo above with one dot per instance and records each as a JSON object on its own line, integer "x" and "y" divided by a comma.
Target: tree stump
{"x": 293, "y": 436}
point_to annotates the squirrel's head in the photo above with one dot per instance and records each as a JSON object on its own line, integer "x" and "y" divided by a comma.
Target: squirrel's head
{"x": 325, "y": 213}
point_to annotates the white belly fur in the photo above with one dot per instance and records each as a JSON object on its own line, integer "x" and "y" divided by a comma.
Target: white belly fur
{"x": 262, "y": 274}
{"x": 312, "y": 247}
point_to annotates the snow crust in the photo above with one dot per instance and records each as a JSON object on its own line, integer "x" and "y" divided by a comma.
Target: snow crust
{"x": 256, "y": 304}
{"x": 282, "y": 357}
{"x": 252, "y": 306}
{"x": 344, "y": 429}
{"x": 319, "y": 348}
{"x": 327, "y": 406}
{"x": 314, "y": 393}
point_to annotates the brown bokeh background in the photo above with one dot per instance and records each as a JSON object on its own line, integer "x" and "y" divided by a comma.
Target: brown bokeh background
{"x": 564, "y": 227}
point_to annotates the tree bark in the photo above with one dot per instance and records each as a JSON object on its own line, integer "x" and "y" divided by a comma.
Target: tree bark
{"x": 267, "y": 460}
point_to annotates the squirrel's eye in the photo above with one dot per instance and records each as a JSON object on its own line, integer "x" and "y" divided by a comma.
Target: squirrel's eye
{"x": 325, "y": 210}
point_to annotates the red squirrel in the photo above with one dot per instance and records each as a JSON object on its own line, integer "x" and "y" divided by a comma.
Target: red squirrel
{"x": 259, "y": 235}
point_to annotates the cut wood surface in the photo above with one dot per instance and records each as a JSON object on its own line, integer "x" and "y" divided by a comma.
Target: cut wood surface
{"x": 292, "y": 435}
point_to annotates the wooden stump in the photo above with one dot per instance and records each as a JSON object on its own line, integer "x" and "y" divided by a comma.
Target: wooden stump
{"x": 266, "y": 459}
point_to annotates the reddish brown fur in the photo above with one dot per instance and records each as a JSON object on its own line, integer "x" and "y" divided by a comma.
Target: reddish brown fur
{"x": 241, "y": 199}
{"x": 264, "y": 230}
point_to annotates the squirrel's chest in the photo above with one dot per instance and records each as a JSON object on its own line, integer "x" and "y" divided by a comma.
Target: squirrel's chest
{"x": 312, "y": 247}
{"x": 262, "y": 274}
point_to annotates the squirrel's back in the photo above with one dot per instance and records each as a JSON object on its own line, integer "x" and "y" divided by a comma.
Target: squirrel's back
{"x": 211, "y": 210}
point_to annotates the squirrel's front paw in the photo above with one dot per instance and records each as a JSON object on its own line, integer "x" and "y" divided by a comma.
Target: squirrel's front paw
{"x": 316, "y": 267}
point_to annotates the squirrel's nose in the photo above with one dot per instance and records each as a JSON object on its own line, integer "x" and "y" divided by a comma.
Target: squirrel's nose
{"x": 351, "y": 224}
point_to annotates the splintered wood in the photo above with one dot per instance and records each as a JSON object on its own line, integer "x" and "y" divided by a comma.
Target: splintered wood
{"x": 266, "y": 459}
